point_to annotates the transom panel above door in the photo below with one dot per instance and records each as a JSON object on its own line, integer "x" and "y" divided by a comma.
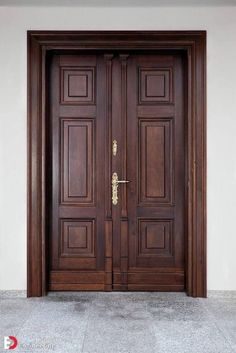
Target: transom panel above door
{"x": 107, "y": 233}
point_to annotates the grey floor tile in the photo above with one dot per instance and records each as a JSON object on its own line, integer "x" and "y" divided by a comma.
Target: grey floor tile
{"x": 223, "y": 312}
{"x": 222, "y": 308}
{"x": 119, "y": 331}
{"x": 228, "y": 329}
{"x": 187, "y": 310}
{"x": 230, "y": 294}
{"x": 120, "y": 323}
{"x": 189, "y": 336}
{"x": 59, "y": 325}
{"x": 13, "y": 314}
{"x": 7, "y": 294}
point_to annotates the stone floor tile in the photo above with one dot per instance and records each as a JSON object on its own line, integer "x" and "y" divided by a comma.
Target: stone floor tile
{"x": 119, "y": 333}
{"x": 132, "y": 322}
{"x": 189, "y": 336}
{"x": 13, "y": 314}
{"x": 57, "y": 325}
{"x": 178, "y": 310}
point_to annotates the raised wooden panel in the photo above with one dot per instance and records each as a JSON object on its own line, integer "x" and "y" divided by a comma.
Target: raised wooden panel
{"x": 77, "y": 277}
{"x": 155, "y": 237}
{"x": 77, "y": 238}
{"x": 77, "y": 161}
{"x": 159, "y": 280}
{"x": 155, "y": 85}
{"x": 76, "y": 287}
{"x": 77, "y": 262}
{"x": 155, "y": 161}
{"x": 78, "y": 85}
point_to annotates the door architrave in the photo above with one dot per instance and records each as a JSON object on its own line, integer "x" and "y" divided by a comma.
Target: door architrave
{"x": 193, "y": 43}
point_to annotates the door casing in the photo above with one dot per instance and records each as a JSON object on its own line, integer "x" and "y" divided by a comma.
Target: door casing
{"x": 193, "y": 43}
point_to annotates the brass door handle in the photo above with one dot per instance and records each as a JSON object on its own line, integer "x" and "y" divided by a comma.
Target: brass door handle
{"x": 114, "y": 184}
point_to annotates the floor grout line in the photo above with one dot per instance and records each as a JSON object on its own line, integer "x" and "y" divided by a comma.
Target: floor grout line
{"x": 87, "y": 326}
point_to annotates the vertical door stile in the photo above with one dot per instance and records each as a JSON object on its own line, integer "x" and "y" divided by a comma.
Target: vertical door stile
{"x": 116, "y": 168}
{"x": 123, "y": 191}
{"x": 108, "y": 155}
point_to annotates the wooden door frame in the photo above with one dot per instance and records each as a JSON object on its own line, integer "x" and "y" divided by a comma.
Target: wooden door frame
{"x": 191, "y": 42}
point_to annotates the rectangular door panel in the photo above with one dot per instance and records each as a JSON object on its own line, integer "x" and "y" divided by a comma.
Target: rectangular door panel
{"x": 77, "y": 161}
{"x": 77, "y": 238}
{"x": 156, "y": 169}
{"x": 155, "y": 239}
{"x": 155, "y": 161}
{"x": 78, "y": 142}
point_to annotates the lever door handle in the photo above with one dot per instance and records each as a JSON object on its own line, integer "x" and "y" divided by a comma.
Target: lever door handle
{"x": 114, "y": 184}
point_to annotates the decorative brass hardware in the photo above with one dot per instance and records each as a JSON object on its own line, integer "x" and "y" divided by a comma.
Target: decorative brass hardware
{"x": 114, "y": 147}
{"x": 115, "y": 183}
{"x": 114, "y": 188}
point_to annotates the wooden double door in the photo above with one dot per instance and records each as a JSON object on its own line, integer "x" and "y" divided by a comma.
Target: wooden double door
{"x": 117, "y": 113}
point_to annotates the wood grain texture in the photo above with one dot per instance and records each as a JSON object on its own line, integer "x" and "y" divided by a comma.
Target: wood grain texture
{"x": 155, "y": 160}
{"x": 193, "y": 44}
{"x": 77, "y": 187}
{"x": 159, "y": 156}
{"x": 108, "y": 255}
{"x": 77, "y": 161}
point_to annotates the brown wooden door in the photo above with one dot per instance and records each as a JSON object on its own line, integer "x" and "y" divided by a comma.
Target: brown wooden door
{"x": 137, "y": 244}
{"x": 152, "y": 204}
{"x": 78, "y": 144}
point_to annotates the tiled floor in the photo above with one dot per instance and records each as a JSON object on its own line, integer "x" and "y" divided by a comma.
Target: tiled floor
{"x": 120, "y": 323}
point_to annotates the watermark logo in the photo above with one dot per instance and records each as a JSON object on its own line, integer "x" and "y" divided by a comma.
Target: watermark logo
{"x": 10, "y": 342}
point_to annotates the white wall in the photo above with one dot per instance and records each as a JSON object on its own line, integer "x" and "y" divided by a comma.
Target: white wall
{"x": 220, "y": 24}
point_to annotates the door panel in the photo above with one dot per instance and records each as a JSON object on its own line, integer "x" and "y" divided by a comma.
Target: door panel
{"x": 138, "y": 101}
{"x": 155, "y": 184}
{"x": 156, "y": 168}
{"x": 77, "y": 161}
{"x": 77, "y": 242}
